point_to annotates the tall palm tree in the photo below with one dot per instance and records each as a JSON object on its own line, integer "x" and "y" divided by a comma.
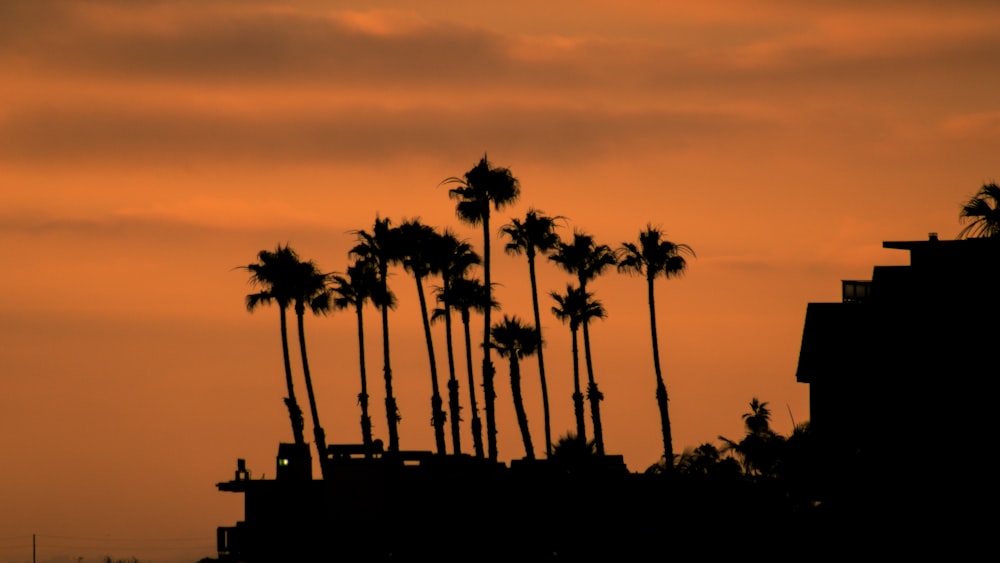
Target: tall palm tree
{"x": 536, "y": 233}
{"x": 458, "y": 258}
{"x": 587, "y": 260}
{"x": 467, "y": 295}
{"x": 272, "y": 273}
{"x": 310, "y": 290}
{"x": 655, "y": 257}
{"x": 381, "y": 247}
{"x": 982, "y": 213}
{"x": 357, "y": 287}
{"x": 482, "y": 187}
{"x": 422, "y": 257}
{"x": 576, "y": 308}
{"x": 515, "y": 340}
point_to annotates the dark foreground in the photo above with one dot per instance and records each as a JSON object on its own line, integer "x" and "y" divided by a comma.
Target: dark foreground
{"x": 464, "y": 509}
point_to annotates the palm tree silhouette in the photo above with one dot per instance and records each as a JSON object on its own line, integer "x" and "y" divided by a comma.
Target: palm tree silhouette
{"x": 310, "y": 290}
{"x": 457, "y": 258}
{"x": 467, "y": 295}
{"x": 478, "y": 189}
{"x": 576, "y": 307}
{"x": 573, "y": 451}
{"x": 759, "y": 450}
{"x": 536, "y": 233}
{"x": 516, "y": 340}
{"x": 587, "y": 260}
{"x": 654, "y": 257}
{"x": 381, "y": 247}
{"x": 273, "y": 273}
{"x": 422, "y": 257}
{"x": 982, "y": 213}
{"x": 358, "y": 286}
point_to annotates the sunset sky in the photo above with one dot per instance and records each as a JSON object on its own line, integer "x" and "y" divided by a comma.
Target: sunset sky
{"x": 149, "y": 148}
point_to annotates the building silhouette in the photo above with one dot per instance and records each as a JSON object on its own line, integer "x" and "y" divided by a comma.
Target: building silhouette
{"x": 900, "y": 374}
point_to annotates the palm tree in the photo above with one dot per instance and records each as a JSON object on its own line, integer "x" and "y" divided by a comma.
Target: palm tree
{"x": 587, "y": 260}
{"x": 982, "y": 213}
{"x": 478, "y": 189}
{"x": 273, "y": 274}
{"x": 359, "y": 285}
{"x": 310, "y": 290}
{"x": 760, "y": 449}
{"x": 576, "y": 307}
{"x": 458, "y": 257}
{"x": 516, "y": 340}
{"x": 467, "y": 295}
{"x": 421, "y": 257}
{"x": 572, "y": 451}
{"x": 381, "y": 248}
{"x": 536, "y": 233}
{"x": 583, "y": 257}
{"x": 655, "y": 257}
{"x": 758, "y": 419}
{"x": 704, "y": 462}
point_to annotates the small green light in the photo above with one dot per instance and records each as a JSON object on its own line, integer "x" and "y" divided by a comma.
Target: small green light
{"x": 283, "y": 462}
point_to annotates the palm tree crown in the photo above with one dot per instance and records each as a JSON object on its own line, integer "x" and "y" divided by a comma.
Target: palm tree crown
{"x": 512, "y": 337}
{"x": 583, "y": 257}
{"x": 982, "y": 213}
{"x": 654, "y": 256}
{"x": 480, "y": 188}
{"x": 577, "y": 307}
{"x": 536, "y": 233}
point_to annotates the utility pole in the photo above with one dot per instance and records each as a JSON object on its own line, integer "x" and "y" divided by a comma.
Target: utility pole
{"x": 33, "y": 552}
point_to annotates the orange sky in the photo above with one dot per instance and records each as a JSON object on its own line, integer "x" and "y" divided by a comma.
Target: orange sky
{"x": 146, "y": 149}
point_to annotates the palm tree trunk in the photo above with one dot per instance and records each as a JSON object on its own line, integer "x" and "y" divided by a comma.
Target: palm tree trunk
{"x": 522, "y": 416}
{"x": 661, "y": 388}
{"x": 488, "y": 392}
{"x": 593, "y": 395}
{"x": 366, "y": 421}
{"x": 437, "y": 410}
{"x": 318, "y": 433}
{"x": 391, "y": 410}
{"x": 453, "y": 404}
{"x": 489, "y": 396}
{"x": 294, "y": 411}
{"x": 541, "y": 358}
{"x": 477, "y": 424}
{"x": 581, "y": 427}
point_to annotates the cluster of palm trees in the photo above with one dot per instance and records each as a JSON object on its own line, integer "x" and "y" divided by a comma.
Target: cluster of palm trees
{"x": 426, "y": 253}
{"x": 761, "y": 456}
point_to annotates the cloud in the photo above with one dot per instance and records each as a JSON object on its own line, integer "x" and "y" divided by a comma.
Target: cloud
{"x": 257, "y": 44}
{"x": 125, "y": 136}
